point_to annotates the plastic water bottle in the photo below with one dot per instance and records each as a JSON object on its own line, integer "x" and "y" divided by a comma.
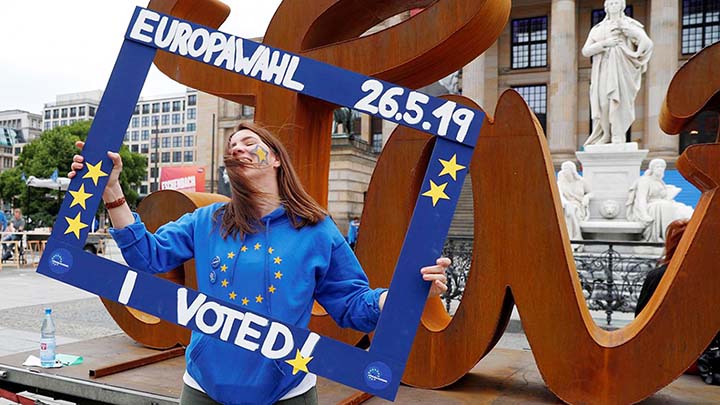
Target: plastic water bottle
{"x": 47, "y": 340}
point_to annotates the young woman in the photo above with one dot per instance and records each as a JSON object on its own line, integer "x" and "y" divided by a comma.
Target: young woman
{"x": 271, "y": 249}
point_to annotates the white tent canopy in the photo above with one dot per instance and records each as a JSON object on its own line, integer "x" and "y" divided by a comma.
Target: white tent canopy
{"x": 61, "y": 183}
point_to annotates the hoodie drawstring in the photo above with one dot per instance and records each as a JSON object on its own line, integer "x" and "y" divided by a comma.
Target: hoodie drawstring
{"x": 266, "y": 271}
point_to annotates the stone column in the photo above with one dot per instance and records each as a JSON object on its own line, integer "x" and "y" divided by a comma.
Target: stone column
{"x": 562, "y": 93}
{"x": 490, "y": 95}
{"x": 663, "y": 31}
{"x": 473, "y": 80}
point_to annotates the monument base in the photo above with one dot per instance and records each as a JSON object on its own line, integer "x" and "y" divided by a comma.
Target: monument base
{"x": 610, "y": 170}
{"x": 612, "y": 230}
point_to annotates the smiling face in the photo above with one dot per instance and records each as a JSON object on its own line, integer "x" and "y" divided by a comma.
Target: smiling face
{"x": 246, "y": 147}
{"x": 257, "y": 160}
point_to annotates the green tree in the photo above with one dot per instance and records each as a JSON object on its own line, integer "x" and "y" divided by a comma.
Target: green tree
{"x": 54, "y": 149}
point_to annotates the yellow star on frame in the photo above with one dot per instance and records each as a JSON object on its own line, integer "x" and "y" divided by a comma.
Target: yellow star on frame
{"x": 74, "y": 225}
{"x": 231, "y": 255}
{"x": 94, "y": 172}
{"x": 436, "y": 192}
{"x": 271, "y": 250}
{"x": 224, "y": 283}
{"x": 272, "y": 288}
{"x": 243, "y": 249}
{"x": 79, "y": 197}
{"x": 259, "y": 298}
{"x": 245, "y": 301}
{"x": 257, "y": 246}
{"x": 278, "y": 275}
{"x": 277, "y": 260}
{"x": 299, "y": 363}
{"x": 450, "y": 167}
{"x": 223, "y": 268}
{"x": 232, "y": 295}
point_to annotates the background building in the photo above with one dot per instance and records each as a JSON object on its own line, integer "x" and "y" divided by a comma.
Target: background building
{"x": 164, "y": 129}
{"x": 539, "y": 55}
{"x": 69, "y": 108}
{"x": 17, "y": 128}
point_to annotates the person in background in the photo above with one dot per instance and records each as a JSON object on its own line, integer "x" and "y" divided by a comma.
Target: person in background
{"x": 3, "y": 222}
{"x": 17, "y": 224}
{"x": 271, "y": 249}
{"x": 352, "y": 233}
{"x": 708, "y": 365}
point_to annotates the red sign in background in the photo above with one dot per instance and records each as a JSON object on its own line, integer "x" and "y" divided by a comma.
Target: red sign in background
{"x": 187, "y": 178}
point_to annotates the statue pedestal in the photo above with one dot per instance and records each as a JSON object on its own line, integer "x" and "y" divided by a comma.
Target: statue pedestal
{"x": 610, "y": 170}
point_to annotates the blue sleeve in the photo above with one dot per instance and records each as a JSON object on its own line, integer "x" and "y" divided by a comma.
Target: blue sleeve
{"x": 343, "y": 290}
{"x": 169, "y": 247}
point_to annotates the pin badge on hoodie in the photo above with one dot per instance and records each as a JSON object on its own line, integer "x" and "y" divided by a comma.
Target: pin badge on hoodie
{"x": 213, "y": 277}
{"x": 262, "y": 155}
{"x": 215, "y": 262}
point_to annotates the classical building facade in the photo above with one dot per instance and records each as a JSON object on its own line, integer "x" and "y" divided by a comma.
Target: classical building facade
{"x": 539, "y": 55}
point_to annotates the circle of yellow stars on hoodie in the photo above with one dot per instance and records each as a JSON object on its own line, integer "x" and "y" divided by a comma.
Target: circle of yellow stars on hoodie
{"x": 276, "y": 275}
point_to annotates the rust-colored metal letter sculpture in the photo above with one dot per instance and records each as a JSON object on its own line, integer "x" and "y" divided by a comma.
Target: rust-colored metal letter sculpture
{"x": 521, "y": 252}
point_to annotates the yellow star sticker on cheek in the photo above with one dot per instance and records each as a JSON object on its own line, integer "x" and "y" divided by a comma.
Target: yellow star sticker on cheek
{"x": 278, "y": 275}
{"x": 79, "y": 197}
{"x": 224, "y": 283}
{"x": 450, "y": 167}
{"x": 436, "y": 192}
{"x": 258, "y": 246}
{"x": 231, "y": 255}
{"x": 261, "y": 154}
{"x": 299, "y": 363}
{"x": 245, "y": 301}
{"x": 94, "y": 172}
{"x": 74, "y": 225}
{"x": 232, "y": 295}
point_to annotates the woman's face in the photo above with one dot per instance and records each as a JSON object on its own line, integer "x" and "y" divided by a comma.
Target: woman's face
{"x": 246, "y": 147}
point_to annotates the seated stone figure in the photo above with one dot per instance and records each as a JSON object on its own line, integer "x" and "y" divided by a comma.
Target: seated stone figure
{"x": 650, "y": 201}
{"x": 575, "y": 196}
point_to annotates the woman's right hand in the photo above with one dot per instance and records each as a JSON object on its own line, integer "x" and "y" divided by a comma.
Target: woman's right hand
{"x": 112, "y": 189}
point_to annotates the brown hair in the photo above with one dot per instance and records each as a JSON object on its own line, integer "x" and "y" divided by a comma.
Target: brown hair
{"x": 240, "y": 215}
{"x": 673, "y": 234}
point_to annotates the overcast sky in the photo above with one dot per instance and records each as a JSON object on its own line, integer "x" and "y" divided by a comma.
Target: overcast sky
{"x": 50, "y": 47}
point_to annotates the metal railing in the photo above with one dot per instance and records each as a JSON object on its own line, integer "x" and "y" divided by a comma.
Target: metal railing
{"x": 610, "y": 279}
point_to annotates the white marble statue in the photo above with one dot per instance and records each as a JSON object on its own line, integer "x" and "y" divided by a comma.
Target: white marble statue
{"x": 620, "y": 51}
{"x": 574, "y": 196}
{"x": 651, "y": 202}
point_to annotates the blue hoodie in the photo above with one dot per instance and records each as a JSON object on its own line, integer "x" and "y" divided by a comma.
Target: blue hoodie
{"x": 276, "y": 272}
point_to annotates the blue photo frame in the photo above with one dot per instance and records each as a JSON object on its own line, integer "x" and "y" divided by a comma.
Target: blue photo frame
{"x": 377, "y": 370}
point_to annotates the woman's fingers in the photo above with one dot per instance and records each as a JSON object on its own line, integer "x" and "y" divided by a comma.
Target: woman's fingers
{"x": 116, "y": 159}
{"x": 440, "y": 286}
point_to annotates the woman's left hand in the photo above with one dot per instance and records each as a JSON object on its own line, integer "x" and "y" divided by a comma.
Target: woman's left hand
{"x": 436, "y": 274}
